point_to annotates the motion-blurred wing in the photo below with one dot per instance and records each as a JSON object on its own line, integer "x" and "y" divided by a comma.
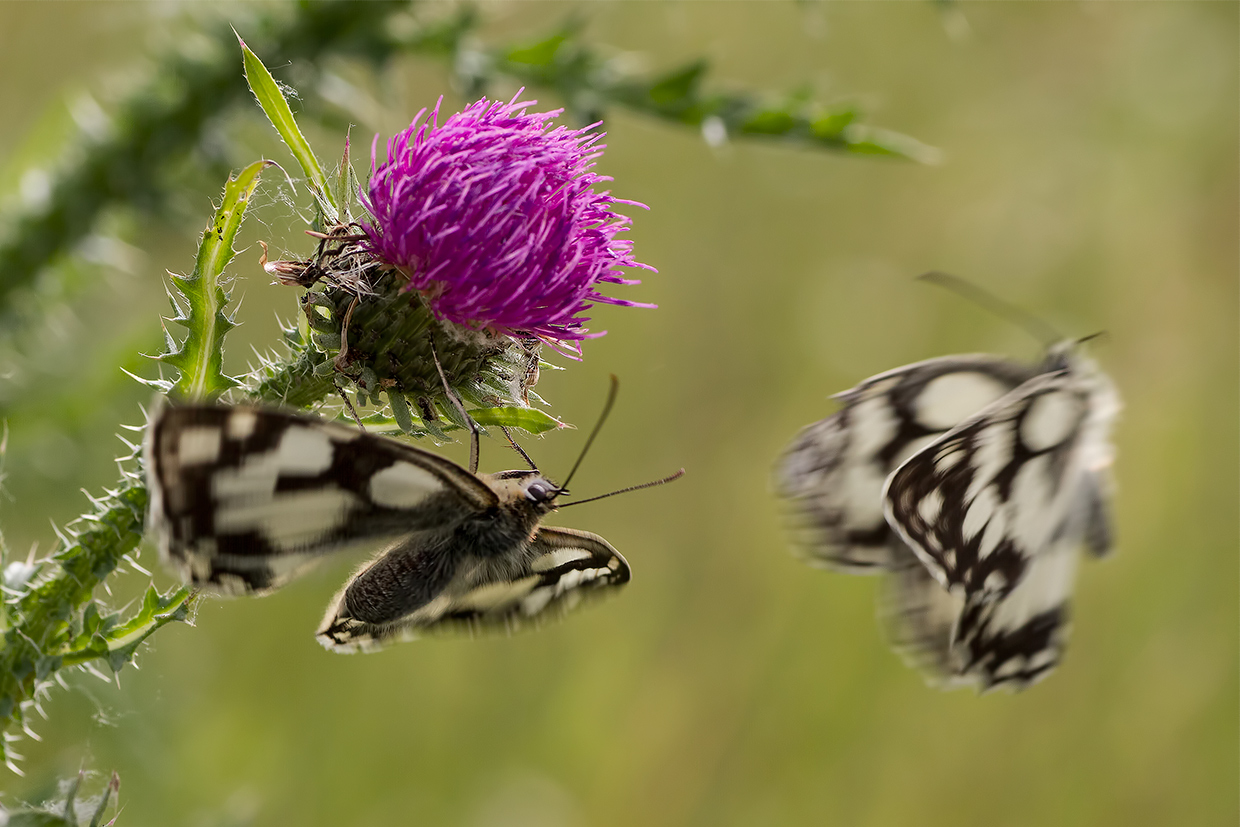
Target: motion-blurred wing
{"x": 997, "y": 510}
{"x": 242, "y": 498}
{"x": 833, "y": 472}
{"x": 420, "y": 587}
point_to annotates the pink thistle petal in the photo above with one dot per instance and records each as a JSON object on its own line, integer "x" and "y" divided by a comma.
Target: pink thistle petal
{"x": 493, "y": 216}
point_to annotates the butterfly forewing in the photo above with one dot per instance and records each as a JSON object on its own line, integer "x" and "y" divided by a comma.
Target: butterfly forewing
{"x": 834, "y": 471}
{"x": 978, "y": 504}
{"x": 420, "y": 587}
{"x": 243, "y": 498}
{"x": 997, "y": 510}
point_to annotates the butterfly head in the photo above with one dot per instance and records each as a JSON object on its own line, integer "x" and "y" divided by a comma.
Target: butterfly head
{"x": 528, "y": 488}
{"x": 1068, "y": 355}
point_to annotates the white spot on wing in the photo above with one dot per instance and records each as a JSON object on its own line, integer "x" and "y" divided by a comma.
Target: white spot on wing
{"x": 947, "y": 459}
{"x": 1046, "y": 584}
{"x": 537, "y": 600}
{"x": 241, "y": 424}
{"x": 994, "y": 451}
{"x": 254, "y": 479}
{"x": 979, "y": 512}
{"x": 950, "y": 399}
{"x": 568, "y": 580}
{"x": 558, "y": 557}
{"x": 914, "y": 446}
{"x": 1051, "y": 418}
{"x": 304, "y": 451}
{"x": 930, "y": 506}
{"x": 403, "y": 485}
{"x": 198, "y": 445}
{"x": 292, "y": 520}
{"x": 497, "y": 595}
{"x": 862, "y": 495}
{"x": 873, "y": 426}
{"x": 1034, "y": 520}
{"x": 993, "y": 535}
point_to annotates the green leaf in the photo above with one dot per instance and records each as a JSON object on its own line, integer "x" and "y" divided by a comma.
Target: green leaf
{"x": 868, "y": 140}
{"x": 769, "y": 122}
{"x": 680, "y": 87}
{"x": 276, "y": 107}
{"x": 538, "y": 54}
{"x": 831, "y": 124}
{"x": 527, "y": 419}
{"x": 200, "y": 298}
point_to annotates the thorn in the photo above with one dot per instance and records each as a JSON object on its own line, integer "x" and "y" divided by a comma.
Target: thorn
{"x": 135, "y": 565}
{"x": 90, "y": 667}
{"x": 65, "y": 541}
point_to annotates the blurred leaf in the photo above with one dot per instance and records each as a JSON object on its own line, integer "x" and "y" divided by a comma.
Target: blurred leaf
{"x": 541, "y": 53}
{"x": 676, "y": 91}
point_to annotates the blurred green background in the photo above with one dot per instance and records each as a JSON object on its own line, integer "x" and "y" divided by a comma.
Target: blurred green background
{"x": 1089, "y": 176}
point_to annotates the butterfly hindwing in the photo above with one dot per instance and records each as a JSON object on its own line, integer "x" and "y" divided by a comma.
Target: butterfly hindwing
{"x": 243, "y": 498}
{"x": 834, "y": 471}
{"x": 419, "y": 587}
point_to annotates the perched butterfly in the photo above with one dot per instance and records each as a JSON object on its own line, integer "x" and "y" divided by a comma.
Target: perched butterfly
{"x": 243, "y": 499}
{"x": 972, "y": 482}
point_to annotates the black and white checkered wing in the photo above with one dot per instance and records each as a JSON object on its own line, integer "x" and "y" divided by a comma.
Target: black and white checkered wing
{"x": 834, "y": 471}
{"x": 420, "y": 587}
{"x": 243, "y": 498}
{"x": 997, "y": 510}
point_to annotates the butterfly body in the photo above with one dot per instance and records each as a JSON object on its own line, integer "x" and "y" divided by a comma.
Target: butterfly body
{"x": 971, "y": 481}
{"x": 243, "y": 499}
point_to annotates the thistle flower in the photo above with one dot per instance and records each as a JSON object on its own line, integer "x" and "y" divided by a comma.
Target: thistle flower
{"x": 493, "y": 218}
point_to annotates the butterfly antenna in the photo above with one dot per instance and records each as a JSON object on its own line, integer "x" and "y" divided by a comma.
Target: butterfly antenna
{"x": 611, "y": 400}
{"x": 1101, "y": 334}
{"x": 518, "y": 448}
{"x": 663, "y": 481}
{"x": 1031, "y": 324}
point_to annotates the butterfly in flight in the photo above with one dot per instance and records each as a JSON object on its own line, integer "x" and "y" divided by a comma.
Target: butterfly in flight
{"x": 971, "y": 482}
{"x": 243, "y": 499}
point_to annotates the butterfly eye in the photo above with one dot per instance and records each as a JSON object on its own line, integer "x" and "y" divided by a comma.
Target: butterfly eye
{"x": 541, "y": 491}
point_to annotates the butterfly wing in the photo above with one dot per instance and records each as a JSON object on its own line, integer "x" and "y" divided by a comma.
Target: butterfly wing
{"x": 420, "y": 586}
{"x": 243, "y": 498}
{"x": 997, "y": 509}
{"x": 920, "y": 618}
{"x": 833, "y": 472}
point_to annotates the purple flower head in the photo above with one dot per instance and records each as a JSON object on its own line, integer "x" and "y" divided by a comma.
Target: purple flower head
{"x": 493, "y": 217}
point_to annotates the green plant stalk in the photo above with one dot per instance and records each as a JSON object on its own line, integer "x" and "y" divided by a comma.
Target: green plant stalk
{"x": 54, "y": 622}
{"x": 150, "y": 129}
{"x": 51, "y": 624}
{"x": 163, "y": 120}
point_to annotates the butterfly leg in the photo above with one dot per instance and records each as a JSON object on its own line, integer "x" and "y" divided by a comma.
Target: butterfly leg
{"x": 349, "y": 405}
{"x": 518, "y": 448}
{"x": 460, "y": 408}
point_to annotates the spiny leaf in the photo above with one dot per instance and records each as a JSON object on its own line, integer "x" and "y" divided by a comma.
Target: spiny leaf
{"x": 201, "y": 298}
{"x": 276, "y": 107}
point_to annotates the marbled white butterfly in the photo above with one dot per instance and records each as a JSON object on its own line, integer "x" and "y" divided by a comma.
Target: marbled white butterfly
{"x": 244, "y": 498}
{"x": 971, "y": 482}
